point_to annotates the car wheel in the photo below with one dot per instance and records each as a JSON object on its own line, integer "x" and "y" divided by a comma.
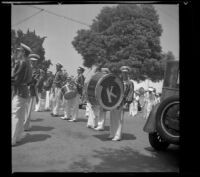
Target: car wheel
{"x": 156, "y": 141}
{"x": 167, "y": 119}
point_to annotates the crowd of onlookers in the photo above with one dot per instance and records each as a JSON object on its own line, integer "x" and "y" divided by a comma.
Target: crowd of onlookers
{"x": 144, "y": 101}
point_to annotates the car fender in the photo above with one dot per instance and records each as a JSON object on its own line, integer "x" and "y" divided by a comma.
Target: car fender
{"x": 150, "y": 125}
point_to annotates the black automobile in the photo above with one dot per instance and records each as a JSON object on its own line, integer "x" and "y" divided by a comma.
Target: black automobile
{"x": 163, "y": 123}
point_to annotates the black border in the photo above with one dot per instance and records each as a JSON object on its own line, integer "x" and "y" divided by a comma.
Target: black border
{"x": 188, "y": 59}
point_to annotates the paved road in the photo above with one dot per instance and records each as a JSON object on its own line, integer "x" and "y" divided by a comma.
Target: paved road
{"x": 56, "y": 145}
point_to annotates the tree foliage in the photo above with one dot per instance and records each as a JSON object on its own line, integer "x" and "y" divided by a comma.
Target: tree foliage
{"x": 35, "y": 42}
{"x": 124, "y": 35}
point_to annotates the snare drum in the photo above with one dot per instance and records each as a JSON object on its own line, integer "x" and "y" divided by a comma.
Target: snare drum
{"x": 68, "y": 93}
{"x": 105, "y": 90}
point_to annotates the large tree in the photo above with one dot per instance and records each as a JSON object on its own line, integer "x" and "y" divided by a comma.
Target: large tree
{"x": 124, "y": 35}
{"x": 34, "y": 41}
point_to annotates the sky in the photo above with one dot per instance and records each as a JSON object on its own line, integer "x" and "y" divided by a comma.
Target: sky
{"x": 61, "y": 31}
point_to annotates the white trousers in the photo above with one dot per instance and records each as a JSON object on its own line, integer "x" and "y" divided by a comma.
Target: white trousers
{"x": 47, "y": 103}
{"x": 29, "y": 108}
{"x": 92, "y": 113}
{"x": 87, "y": 109}
{"x": 71, "y": 107}
{"x": 116, "y": 122}
{"x": 56, "y": 101}
{"x": 51, "y": 99}
{"x": 101, "y": 118}
{"x": 41, "y": 103}
{"x": 18, "y": 116}
{"x": 133, "y": 108}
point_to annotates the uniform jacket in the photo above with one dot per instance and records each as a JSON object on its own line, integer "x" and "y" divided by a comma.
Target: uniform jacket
{"x": 21, "y": 76}
{"x": 80, "y": 79}
{"x": 32, "y": 84}
{"x": 58, "y": 80}
{"x": 128, "y": 91}
{"x": 48, "y": 83}
{"x": 40, "y": 83}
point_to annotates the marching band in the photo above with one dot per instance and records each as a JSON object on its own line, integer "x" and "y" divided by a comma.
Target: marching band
{"x": 33, "y": 87}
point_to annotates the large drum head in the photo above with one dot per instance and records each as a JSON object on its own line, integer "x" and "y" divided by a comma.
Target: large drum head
{"x": 108, "y": 91}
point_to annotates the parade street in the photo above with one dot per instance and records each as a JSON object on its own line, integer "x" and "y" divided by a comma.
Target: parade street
{"x": 56, "y": 145}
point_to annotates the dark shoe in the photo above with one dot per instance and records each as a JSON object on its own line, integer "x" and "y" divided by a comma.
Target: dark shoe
{"x": 54, "y": 115}
{"x": 88, "y": 126}
{"x": 110, "y": 137}
{"x": 27, "y": 129}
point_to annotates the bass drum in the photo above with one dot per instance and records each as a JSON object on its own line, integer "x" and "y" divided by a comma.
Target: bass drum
{"x": 105, "y": 90}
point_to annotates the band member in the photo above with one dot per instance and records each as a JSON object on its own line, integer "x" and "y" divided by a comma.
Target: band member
{"x": 40, "y": 91}
{"x": 57, "y": 84}
{"x": 69, "y": 103}
{"x": 13, "y": 61}
{"x": 47, "y": 86}
{"x": 102, "y": 113}
{"x": 32, "y": 88}
{"x": 79, "y": 80}
{"x": 22, "y": 75}
{"x": 117, "y": 115}
{"x": 51, "y": 94}
{"x": 89, "y": 108}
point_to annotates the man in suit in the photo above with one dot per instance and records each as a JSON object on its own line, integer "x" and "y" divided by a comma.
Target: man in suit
{"x": 21, "y": 76}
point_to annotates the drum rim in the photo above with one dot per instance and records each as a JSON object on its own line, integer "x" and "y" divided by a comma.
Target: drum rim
{"x": 67, "y": 92}
{"x": 98, "y": 95}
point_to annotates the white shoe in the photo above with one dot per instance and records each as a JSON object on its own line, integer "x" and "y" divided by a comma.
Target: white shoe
{"x": 89, "y": 126}
{"x": 110, "y": 137}
{"x": 116, "y": 139}
{"x": 72, "y": 120}
{"x": 64, "y": 117}
{"x": 99, "y": 129}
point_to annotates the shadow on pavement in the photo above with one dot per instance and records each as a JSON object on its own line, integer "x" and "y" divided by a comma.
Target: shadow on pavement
{"x": 41, "y": 128}
{"x": 81, "y": 120}
{"x": 104, "y": 137}
{"x": 106, "y": 128}
{"x": 125, "y": 160}
{"x": 33, "y": 138}
{"x": 172, "y": 153}
{"x": 37, "y": 120}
